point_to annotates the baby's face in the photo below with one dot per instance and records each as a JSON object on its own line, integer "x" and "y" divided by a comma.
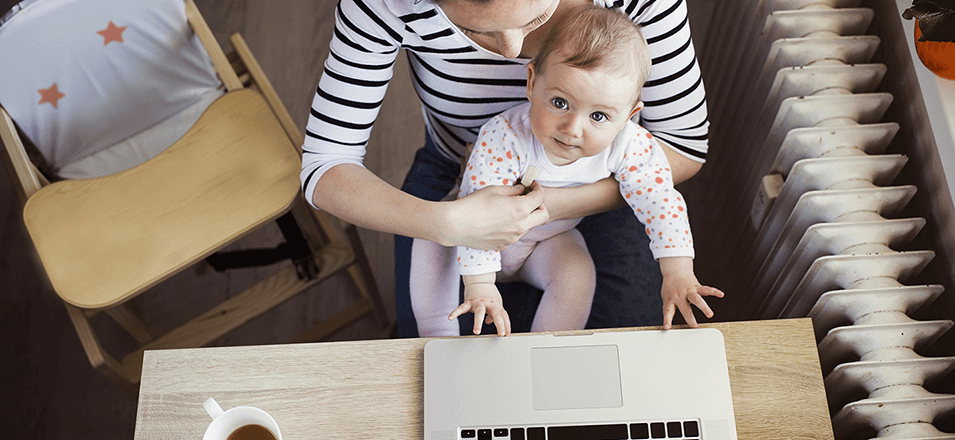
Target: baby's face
{"x": 577, "y": 113}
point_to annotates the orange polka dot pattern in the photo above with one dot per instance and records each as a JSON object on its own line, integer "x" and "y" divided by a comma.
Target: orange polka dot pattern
{"x": 493, "y": 161}
{"x": 646, "y": 183}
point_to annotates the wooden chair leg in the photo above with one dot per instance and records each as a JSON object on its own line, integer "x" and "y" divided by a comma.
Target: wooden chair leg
{"x": 99, "y": 359}
{"x": 136, "y": 328}
{"x": 333, "y": 324}
{"x": 315, "y": 224}
{"x": 364, "y": 279}
{"x": 360, "y": 270}
{"x": 316, "y": 233}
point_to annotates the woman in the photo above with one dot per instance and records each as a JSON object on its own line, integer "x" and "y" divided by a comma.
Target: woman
{"x": 468, "y": 62}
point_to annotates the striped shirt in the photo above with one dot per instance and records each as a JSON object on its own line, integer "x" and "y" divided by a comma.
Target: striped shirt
{"x": 461, "y": 85}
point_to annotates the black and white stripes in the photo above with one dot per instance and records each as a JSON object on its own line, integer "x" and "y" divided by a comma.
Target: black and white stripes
{"x": 461, "y": 85}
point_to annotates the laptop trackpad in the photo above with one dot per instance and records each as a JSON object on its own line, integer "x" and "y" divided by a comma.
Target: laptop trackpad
{"x": 577, "y": 377}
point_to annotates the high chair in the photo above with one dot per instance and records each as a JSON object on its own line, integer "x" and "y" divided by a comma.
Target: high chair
{"x": 162, "y": 151}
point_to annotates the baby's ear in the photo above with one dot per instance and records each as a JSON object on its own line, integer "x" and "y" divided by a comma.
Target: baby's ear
{"x": 531, "y": 76}
{"x": 636, "y": 107}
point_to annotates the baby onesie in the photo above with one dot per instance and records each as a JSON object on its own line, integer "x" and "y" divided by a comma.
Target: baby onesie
{"x": 506, "y": 148}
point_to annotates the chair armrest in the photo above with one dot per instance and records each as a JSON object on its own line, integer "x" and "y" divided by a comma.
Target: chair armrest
{"x": 24, "y": 175}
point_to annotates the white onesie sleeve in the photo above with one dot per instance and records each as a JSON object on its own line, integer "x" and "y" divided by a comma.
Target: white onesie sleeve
{"x": 646, "y": 183}
{"x": 495, "y": 160}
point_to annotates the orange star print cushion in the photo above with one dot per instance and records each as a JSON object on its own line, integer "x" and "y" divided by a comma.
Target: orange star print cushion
{"x": 81, "y": 76}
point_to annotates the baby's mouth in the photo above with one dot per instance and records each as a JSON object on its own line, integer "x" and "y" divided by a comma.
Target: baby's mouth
{"x": 567, "y": 146}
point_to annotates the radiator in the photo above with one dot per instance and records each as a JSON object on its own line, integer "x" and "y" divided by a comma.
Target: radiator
{"x": 811, "y": 190}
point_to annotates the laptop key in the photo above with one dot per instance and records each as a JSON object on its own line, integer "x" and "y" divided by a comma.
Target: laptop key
{"x": 658, "y": 430}
{"x": 587, "y": 432}
{"x": 691, "y": 428}
{"x": 517, "y": 433}
{"x": 484, "y": 434}
{"x": 535, "y": 433}
{"x": 639, "y": 431}
{"x": 468, "y": 433}
{"x": 674, "y": 429}
{"x": 500, "y": 432}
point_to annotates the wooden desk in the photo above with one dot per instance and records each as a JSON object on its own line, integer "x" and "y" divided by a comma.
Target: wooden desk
{"x": 373, "y": 389}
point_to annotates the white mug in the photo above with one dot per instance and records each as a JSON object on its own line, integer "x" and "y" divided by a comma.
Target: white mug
{"x": 224, "y": 422}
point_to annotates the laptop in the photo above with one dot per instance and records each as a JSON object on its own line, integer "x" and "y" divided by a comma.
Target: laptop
{"x": 671, "y": 384}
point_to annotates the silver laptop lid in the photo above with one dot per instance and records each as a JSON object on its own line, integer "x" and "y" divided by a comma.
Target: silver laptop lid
{"x": 630, "y": 384}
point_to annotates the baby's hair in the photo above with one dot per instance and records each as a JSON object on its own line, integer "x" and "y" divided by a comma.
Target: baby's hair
{"x": 596, "y": 38}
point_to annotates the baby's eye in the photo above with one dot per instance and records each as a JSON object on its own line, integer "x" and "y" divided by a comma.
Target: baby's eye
{"x": 598, "y": 116}
{"x": 559, "y": 103}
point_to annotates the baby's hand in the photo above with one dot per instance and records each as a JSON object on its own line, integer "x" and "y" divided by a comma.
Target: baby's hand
{"x": 681, "y": 289}
{"x": 484, "y": 300}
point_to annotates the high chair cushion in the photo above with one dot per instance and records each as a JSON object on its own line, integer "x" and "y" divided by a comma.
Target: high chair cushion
{"x": 111, "y": 75}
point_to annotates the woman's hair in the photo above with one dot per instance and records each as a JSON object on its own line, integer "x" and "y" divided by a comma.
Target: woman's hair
{"x": 595, "y": 37}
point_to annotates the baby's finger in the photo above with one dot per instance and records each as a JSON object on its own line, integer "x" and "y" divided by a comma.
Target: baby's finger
{"x": 700, "y": 303}
{"x": 500, "y": 322}
{"x": 668, "y": 311}
{"x": 462, "y": 309}
{"x": 687, "y": 313}
{"x": 478, "y": 319}
{"x": 507, "y": 322}
{"x": 709, "y": 291}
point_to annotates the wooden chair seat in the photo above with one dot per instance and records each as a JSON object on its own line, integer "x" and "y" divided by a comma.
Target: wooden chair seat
{"x": 107, "y": 239}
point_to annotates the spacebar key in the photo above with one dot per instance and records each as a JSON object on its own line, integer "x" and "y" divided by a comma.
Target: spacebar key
{"x": 588, "y": 432}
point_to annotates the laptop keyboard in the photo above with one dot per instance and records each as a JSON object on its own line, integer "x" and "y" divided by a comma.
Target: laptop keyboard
{"x": 688, "y": 430}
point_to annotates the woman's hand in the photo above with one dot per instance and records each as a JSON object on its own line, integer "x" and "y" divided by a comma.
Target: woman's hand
{"x": 681, "y": 290}
{"x": 493, "y": 217}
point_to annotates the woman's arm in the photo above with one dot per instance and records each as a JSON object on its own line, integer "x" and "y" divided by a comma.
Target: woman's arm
{"x": 681, "y": 166}
{"x": 583, "y": 200}
{"x": 490, "y": 218}
{"x": 604, "y": 195}
{"x": 362, "y": 53}
{"x": 674, "y": 97}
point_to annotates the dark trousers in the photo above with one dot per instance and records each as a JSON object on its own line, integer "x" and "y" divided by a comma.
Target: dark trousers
{"x": 628, "y": 278}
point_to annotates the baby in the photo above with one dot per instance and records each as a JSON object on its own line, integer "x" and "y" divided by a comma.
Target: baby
{"x": 583, "y": 88}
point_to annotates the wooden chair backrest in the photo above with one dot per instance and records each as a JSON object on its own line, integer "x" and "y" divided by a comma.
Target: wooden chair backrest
{"x": 26, "y": 180}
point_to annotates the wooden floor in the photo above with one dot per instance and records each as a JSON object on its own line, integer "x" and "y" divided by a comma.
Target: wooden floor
{"x": 48, "y": 389}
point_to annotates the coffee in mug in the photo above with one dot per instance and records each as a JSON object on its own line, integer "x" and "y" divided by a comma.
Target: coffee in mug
{"x": 240, "y": 423}
{"x": 252, "y": 432}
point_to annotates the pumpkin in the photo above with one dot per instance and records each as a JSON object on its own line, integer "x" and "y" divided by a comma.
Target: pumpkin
{"x": 936, "y": 46}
